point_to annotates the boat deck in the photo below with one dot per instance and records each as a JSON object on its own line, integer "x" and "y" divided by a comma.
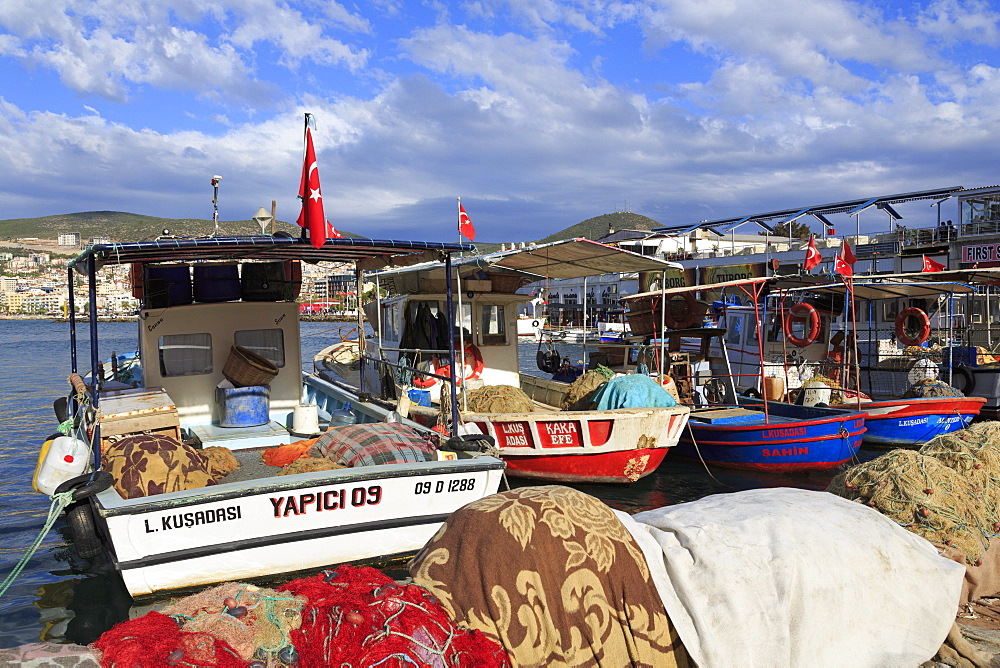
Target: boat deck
{"x": 252, "y": 466}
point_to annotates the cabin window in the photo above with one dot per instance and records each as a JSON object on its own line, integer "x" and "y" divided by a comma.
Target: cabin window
{"x": 890, "y": 309}
{"x": 268, "y": 343}
{"x": 734, "y": 334}
{"x": 185, "y": 354}
{"x": 492, "y": 325}
{"x": 390, "y": 321}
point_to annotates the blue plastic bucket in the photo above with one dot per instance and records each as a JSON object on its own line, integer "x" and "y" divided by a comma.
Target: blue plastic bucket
{"x": 420, "y": 397}
{"x": 167, "y": 285}
{"x": 244, "y": 406}
{"x": 216, "y": 282}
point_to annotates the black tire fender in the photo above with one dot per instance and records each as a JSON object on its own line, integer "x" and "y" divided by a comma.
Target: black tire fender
{"x": 82, "y": 530}
{"x": 968, "y": 377}
{"x": 86, "y": 485}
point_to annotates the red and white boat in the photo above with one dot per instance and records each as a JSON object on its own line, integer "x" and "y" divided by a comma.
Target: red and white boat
{"x": 545, "y": 443}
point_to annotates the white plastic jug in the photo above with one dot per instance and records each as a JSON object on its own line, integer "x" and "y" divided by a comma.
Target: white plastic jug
{"x": 65, "y": 458}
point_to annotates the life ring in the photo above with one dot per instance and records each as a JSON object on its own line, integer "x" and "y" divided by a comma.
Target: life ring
{"x": 969, "y": 378}
{"x": 475, "y": 368}
{"x": 674, "y": 318}
{"x": 807, "y": 313}
{"x": 422, "y": 381}
{"x": 534, "y": 323}
{"x": 906, "y": 335}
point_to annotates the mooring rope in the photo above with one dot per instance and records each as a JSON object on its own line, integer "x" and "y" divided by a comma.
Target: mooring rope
{"x": 59, "y": 502}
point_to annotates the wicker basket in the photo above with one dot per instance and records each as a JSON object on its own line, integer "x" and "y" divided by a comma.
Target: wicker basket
{"x": 245, "y": 368}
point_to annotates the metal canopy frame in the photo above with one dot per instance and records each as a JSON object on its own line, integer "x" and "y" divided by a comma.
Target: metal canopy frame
{"x": 373, "y": 252}
{"x": 850, "y": 207}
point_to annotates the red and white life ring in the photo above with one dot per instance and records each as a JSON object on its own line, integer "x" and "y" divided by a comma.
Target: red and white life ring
{"x": 680, "y": 319}
{"x": 473, "y": 364}
{"x": 909, "y": 336}
{"x": 810, "y": 316}
{"x": 422, "y": 381}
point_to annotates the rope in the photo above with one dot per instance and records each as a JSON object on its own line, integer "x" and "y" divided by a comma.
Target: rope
{"x": 59, "y": 502}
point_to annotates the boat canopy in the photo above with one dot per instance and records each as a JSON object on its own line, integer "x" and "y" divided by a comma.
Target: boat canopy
{"x": 893, "y": 289}
{"x": 376, "y": 252}
{"x": 569, "y": 258}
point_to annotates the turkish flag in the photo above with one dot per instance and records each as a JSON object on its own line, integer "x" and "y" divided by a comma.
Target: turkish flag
{"x": 465, "y": 227}
{"x": 931, "y": 265}
{"x": 331, "y": 231}
{"x": 812, "y": 255}
{"x": 311, "y": 217}
{"x": 843, "y": 262}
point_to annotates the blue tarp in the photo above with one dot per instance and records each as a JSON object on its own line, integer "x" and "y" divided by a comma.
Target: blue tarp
{"x": 633, "y": 391}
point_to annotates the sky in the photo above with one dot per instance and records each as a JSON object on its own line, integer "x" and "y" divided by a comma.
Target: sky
{"x": 537, "y": 113}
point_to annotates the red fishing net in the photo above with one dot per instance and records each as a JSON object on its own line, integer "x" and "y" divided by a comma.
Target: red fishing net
{"x": 358, "y": 616}
{"x": 155, "y": 640}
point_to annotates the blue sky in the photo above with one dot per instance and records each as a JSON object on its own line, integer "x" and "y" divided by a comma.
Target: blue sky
{"x": 537, "y": 113}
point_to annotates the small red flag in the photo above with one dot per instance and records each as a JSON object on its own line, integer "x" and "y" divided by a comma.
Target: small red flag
{"x": 465, "y": 227}
{"x": 812, "y": 255}
{"x": 843, "y": 262}
{"x": 311, "y": 217}
{"x": 331, "y": 231}
{"x": 931, "y": 265}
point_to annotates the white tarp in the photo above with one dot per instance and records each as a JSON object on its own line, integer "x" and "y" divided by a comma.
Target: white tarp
{"x": 790, "y": 577}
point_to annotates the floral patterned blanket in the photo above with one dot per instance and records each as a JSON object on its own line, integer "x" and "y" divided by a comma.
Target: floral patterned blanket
{"x": 554, "y": 576}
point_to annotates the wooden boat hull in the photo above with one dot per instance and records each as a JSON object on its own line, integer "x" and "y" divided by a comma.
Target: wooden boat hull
{"x": 620, "y": 446}
{"x": 270, "y": 524}
{"x": 795, "y": 438}
{"x": 284, "y": 524}
{"x": 908, "y": 423}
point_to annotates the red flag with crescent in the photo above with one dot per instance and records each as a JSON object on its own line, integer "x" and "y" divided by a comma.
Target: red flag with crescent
{"x": 843, "y": 262}
{"x": 311, "y": 217}
{"x": 931, "y": 265}
{"x": 812, "y": 254}
{"x": 465, "y": 227}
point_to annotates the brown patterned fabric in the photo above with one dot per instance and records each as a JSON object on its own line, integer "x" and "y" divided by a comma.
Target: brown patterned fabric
{"x": 554, "y": 576}
{"x": 148, "y": 464}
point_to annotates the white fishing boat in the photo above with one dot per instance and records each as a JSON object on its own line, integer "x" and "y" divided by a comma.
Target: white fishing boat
{"x": 547, "y": 443}
{"x": 254, "y": 521}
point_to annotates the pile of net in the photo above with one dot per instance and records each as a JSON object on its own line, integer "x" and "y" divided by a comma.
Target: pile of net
{"x": 947, "y": 492}
{"x": 357, "y": 616}
{"x": 580, "y": 395}
{"x": 930, "y": 387}
{"x": 348, "y": 617}
{"x": 498, "y": 399}
{"x": 232, "y": 624}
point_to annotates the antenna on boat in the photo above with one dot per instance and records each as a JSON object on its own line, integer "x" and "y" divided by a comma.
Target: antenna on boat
{"x": 215, "y": 203}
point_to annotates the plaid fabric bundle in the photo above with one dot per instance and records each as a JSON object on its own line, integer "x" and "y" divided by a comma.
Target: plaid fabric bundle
{"x": 372, "y": 444}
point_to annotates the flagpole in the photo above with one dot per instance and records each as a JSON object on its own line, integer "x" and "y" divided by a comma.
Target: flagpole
{"x": 305, "y": 129}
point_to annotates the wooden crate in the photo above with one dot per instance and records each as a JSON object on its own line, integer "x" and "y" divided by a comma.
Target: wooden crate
{"x": 137, "y": 411}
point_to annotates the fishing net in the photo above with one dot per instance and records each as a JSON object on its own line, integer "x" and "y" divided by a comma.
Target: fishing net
{"x": 930, "y": 387}
{"x": 580, "y": 395}
{"x": 156, "y": 640}
{"x": 221, "y": 461}
{"x": 255, "y": 622}
{"x": 357, "y": 616}
{"x": 306, "y": 464}
{"x": 498, "y": 399}
{"x": 926, "y": 496}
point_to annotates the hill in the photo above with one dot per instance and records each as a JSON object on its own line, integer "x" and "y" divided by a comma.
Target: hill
{"x": 119, "y": 225}
{"x": 599, "y": 226}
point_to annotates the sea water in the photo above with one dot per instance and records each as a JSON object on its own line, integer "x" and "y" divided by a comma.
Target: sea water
{"x": 62, "y": 598}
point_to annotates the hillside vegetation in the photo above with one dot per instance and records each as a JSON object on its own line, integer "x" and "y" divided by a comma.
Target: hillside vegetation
{"x": 122, "y": 226}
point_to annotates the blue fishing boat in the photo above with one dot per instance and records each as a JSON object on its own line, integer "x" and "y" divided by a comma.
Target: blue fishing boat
{"x": 904, "y": 423}
{"x": 785, "y": 438}
{"x": 734, "y": 431}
